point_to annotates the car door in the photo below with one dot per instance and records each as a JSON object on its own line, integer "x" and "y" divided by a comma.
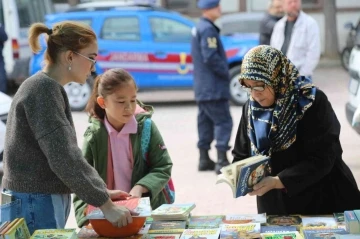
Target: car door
{"x": 169, "y": 47}
{"x": 121, "y": 45}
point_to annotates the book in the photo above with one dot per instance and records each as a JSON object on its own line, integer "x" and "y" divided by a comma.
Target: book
{"x": 240, "y": 231}
{"x": 19, "y": 230}
{"x": 140, "y": 205}
{"x": 271, "y": 229}
{"x": 318, "y": 222}
{"x": 245, "y": 218}
{"x": 281, "y": 235}
{"x": 243, "y": 175}
{"x": 201, "y": 233}
{"x": 290, "y": 220}
{"x": 8, "y": 227}
{"x": 55, "y": 234}
{"x": 167, "y": 227}
{"x": 161, "y": 236}
{"x": 339, "y": 217}
{"x": 323, "y": 233}
{"x": 351, "y": 222}
{"x": 204, "y": 222}
{"x": 173, "y": 211}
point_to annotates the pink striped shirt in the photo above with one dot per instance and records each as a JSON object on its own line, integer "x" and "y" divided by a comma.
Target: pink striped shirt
{"x": 122, "y": 157}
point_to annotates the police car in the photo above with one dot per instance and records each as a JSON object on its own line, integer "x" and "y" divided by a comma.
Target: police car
{"x": 150, "y": 42}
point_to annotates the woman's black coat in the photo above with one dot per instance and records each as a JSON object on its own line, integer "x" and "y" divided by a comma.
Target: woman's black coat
{"x": 316, "y": 179}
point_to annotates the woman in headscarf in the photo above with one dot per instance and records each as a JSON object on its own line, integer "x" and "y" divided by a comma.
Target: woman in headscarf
{"x": 292, "y": 121}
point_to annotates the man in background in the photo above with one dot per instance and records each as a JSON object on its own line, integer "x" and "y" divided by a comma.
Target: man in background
{"x": 212, "y": 87}
{"x": 274, "y": 14}
{"x": 3, "y": 79}
{"x": 297, "y": 36}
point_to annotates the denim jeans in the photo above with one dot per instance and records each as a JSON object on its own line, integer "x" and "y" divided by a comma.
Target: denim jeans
{"x": 41, "y": 211}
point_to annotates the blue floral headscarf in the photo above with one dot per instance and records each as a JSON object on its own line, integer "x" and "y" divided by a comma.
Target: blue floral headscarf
{"x": 273, "y": 129}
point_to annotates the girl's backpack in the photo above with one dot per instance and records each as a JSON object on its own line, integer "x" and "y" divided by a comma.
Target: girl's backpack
{"x": 169, "y": 189}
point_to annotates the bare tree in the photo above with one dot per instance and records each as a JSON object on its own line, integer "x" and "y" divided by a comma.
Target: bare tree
{"x": 331, "y": 33}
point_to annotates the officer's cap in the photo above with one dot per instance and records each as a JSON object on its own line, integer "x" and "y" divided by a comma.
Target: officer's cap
{"x": 208, "y": 4}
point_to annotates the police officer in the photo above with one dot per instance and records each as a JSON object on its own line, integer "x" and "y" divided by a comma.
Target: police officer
{"x": 212, "y": 87}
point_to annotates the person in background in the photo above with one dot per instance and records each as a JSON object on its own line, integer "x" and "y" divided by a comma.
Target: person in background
{"x": 42, "y": 162}
{"x": 212, "y": 87}
{"x": 293, "y": 122}
{"x": 113, "y": 142}
{"x": 3, "y": 78}
{"x": 275, "y": 13}
{"x": 297, "y": 36}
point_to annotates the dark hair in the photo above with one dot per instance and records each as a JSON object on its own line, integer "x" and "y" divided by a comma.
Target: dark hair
{"x": 106, "y": 84}
{"x": 64, "y": 36}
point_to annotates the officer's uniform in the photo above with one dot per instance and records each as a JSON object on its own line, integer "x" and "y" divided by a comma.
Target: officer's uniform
{"x": 211, "y": 85}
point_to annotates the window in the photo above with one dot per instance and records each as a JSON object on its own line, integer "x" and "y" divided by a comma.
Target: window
{"x": 121, "y": 29}
{"x": 31, "y": 11}
{"x": 167, "y": 30}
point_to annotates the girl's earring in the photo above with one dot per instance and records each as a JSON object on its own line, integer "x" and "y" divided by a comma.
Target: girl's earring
{"x": 69, "y": 68}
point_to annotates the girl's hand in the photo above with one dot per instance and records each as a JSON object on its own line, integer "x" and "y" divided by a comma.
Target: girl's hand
{"x": 137, "y": 191}
{"x": 265, "y": 185}
{"x": 117, "y": 194}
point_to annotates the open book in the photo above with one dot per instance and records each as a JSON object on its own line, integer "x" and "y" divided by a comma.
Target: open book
{"x": 243, "y": 175}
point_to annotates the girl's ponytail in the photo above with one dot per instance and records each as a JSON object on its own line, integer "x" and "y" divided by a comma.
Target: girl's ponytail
{"x": 93, "y": 108}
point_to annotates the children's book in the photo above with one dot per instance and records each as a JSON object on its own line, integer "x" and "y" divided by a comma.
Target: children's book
{"x": 277, "y": 229}
{"x": 201, "y": 233}
{"x": 204, "y": 222}
{"x": 240, "y": 231}
{"x": 339, "y": 217}
{"x": 352, "y": 223}
{"x": 8, "y": 227}
{"x": 19, "y": 230}
{"x": 281, "y": 235}
{"x": 173, "y": 211}
{"x": 323, "y": 233}
{"x": 290, "y": 220}
{"x": 55, "y": 234}
{"x": 166, "y": 227}
{"x": 140, "y": 205}
{"x": 318, "y": 222}
{"x": 245, "y": 218}
{"x": 161, "y": 236}
{"x": 243, "y": 175}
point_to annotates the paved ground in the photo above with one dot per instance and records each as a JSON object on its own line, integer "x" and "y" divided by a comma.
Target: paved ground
{"x": 177, "y": 123}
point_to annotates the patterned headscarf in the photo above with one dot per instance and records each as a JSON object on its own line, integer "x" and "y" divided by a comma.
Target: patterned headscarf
{"x": 274, "y": 128}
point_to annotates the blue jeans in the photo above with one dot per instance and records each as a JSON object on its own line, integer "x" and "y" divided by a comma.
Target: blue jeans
{"x": 41, "y": 211}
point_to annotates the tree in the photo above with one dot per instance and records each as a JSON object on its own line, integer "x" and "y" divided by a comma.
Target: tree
{"x": 331, "y": 33}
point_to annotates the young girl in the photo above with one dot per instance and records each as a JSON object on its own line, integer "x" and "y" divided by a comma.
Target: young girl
{"x": 112, "y": 143}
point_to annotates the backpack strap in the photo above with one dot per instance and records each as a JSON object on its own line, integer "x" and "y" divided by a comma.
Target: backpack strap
{"x": 145, "y": 138}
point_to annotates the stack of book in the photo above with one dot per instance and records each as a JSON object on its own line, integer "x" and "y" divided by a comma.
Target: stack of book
{"x": 14, "y": 229}
{"x": 173, "y": 212}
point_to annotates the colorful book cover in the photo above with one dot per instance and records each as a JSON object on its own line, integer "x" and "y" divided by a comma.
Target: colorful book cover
{"x": 167, "y": 227}
{"x": 322, "y": 222}
{"x": 250, "y": 175}
{"x": 172, "y": 211}
{"x": 268, "y": 229}
{"x": 351, "y": 222}
{"x": 162, "y": 236}
{"x": 140, "y": 205}
{"x": 54, "y": 234}
{"x": 291, "y": 220}
{"x": 339, "y": 217}
{"x": 203, "y": 222}
{"x": 201, "y": 233}
{"x": 323, "y": 233}
{"x": 281, "y": 235}
{"x": 240, "y": 231}
{"x": 245, "y": 218}
{"x": 18, "y": 231}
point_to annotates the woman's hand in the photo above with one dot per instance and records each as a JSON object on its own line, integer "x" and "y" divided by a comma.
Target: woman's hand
{"x": 118, "y": 194}
{"x": 265, "y": 185}
{"x": 118, "y": 216}
{"x": 137, "y": 191}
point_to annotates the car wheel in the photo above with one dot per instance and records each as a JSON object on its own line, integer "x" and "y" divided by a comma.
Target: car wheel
{"x": 237, "y": 94}
{"x": 78, "y": 94}
{"x": 345, "y": 56}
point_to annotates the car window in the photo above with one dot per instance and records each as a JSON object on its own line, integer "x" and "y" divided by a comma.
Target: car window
{"x": 168, "y": 30}
{"x": 121, "y": 29}
{"x": 231, "y": 27}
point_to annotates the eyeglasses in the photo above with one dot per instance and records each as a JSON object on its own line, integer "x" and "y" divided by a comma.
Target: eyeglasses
{"x": 255, "y": 88}
{"x": 92, "y": 60}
